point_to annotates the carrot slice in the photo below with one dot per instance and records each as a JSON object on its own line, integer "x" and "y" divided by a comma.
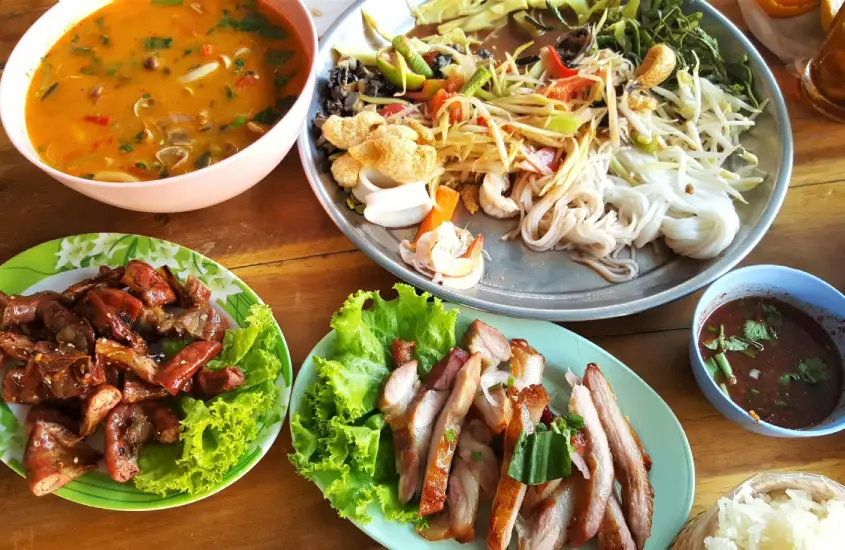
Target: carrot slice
{"x": 445, "y": 201}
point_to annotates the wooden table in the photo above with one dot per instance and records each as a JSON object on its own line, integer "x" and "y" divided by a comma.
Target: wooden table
{"x": 277, "y": 239}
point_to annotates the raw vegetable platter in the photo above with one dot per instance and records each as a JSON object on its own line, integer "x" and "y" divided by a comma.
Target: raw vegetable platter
{"x": 336, "y": 378}
{"x": 549, "y": 285}
{"x": 244, "y": 431}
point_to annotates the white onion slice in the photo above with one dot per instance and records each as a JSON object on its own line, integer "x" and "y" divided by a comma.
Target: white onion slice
{"x": 494, "y": 377}
{"x": 200, "y": 72}
{"x": 572, "y": 379}
{"x": 241, "y": 52}
{"x": 581, "y": 464}
{"x": 121, "y": 177}
{"x": 226, "y": 61}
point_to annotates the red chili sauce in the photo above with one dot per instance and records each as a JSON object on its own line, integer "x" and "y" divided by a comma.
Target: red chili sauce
{"x": 786, "y": 369}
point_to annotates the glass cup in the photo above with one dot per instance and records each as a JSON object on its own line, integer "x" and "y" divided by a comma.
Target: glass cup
{"x": 823, "y": 82}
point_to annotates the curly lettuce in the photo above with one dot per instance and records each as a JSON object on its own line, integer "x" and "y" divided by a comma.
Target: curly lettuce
{"x": 341, "y": 441}
{"x": 217, "y": 433}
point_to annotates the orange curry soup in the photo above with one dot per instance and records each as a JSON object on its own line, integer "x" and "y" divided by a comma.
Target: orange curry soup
{"x": 146, "y": 89}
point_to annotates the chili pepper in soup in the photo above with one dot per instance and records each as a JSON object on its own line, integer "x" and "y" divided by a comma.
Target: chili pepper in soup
{"x": 146, "y": 89}
{"x": 773, "y": 360}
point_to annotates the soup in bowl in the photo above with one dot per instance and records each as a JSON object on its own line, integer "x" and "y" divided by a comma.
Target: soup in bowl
{"x": 160, "y": 105}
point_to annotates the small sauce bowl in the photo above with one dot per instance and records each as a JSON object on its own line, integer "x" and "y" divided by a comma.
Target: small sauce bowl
{"x": 808, "y": 293}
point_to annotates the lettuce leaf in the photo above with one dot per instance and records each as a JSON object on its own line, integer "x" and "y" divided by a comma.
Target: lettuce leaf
{"x": 341, "y": 441}
{"x": 217, "y": 433}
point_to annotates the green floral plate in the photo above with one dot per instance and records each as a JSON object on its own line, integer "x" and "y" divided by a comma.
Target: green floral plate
{"x": 55, "y": 265}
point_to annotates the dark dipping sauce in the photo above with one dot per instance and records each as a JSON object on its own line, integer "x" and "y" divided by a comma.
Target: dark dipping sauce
{"x": 794, "y": 381}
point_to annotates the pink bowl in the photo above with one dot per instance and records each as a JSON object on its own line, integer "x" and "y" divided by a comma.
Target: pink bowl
{"x": 206, "y": 187}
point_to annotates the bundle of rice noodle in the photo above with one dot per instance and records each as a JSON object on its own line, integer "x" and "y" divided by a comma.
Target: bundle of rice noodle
{"x": 771, "y": 512}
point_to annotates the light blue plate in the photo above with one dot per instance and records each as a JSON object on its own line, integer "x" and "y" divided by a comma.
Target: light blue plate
{"x": 672, "y": 475}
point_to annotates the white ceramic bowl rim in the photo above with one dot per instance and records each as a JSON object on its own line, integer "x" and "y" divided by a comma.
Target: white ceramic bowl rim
{"x": 307, "y": 37}
{"x": 708, "y": 298}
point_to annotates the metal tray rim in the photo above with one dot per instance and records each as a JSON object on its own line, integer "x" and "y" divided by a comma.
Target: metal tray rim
{"x": 705, "y": 277}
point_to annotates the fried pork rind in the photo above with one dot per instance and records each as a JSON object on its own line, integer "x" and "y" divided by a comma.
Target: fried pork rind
{"x": 469, "y": 196}
{"x": 394, "y": 130}
{"x": 347, "y": 132}
{"x": 399, "y": 159}
{"x": 345, "y": 171}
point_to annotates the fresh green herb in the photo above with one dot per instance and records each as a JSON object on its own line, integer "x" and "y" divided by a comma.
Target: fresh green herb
{"x": 725, "y": 366}
{"x": 541, "y": 456}
{"x": 476, "y": 456}
{"x": 724, "y": 388}
{"x": 721, "y": 338}
{"x": 711, "y": 367}
{"x": 277, "y": 58}
{"x": 139, "y": 137}
{"x": 754, "y": 330}
{"x": 575, "y": 421}
{"x": 229, "y": 93}
{"x": 105, "y": 40}
{"x": 252, "y": 22}
{"x": 450, "y": 435}
{"x": 158, "y": 43}
{"x": 786, "y": 379}
{"x": 632, "y": 29}
{"x": 551, "y": 6}
{"x": 125, "y": 147}
{"x": 774, "y": 318}
{"x": 146, "y": 96}
{"x": 239, "y": 121}
{"x": 50, "y": 90}
{"x": 87, "y": 176}
{"x": 188, "y": 51}
{"x": 142, "y": 166}
{"x": 267, "y": 116}
{"x": 172, "y": 346}
{"x": 813, "y": 370}
{"x": 239, "y": 63}
{"x": 712, "y": 344}
{"x": 80, "y": 50}
{"x": 713, "y": 330}
{"x": 781, "y": 403}
{"x": 511, "y": 381}
{"x": 42, "y": 149}
{"x": 89, "y": 70}
{"x": 282, "y": 81}
{"x": 166, "y": 2}
{"x": 164, "y": 173}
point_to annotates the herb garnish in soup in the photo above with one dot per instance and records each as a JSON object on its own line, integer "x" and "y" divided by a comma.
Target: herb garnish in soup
{"x": 773, "y": 360}
{"x": 145, "y": 89}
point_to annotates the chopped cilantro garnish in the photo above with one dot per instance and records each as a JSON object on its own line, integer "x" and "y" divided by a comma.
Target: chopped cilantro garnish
{"x": 450, "y": 435}
{"x": 105, "y": 40}
{"x": 87, "y": 176}
{"x": 277, "y": 58}
{"x": 188, "y": 51}
{"x": 575, "y": 421}
{"x": 158, "y": 43}
{"x": 142, "y": 165}
{"x": 166, "y": 2}
{"x": 239, "y": 121}
{"x": 125, "y": 147}
{"x": 139, "y": 137}
{"x": 755, "y": 330}
{"x": 239, "y": 63}
{"x": 230, "y": 94}
{"x": 813, "y": 370}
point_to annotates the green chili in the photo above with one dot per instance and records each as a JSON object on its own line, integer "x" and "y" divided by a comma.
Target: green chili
{"x": 477, "y": 81}
{"x": 407, "y": 50}
{"x": 413, "y": 81}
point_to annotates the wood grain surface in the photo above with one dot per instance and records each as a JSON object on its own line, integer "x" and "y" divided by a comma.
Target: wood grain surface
{"x": 277, "y": 238}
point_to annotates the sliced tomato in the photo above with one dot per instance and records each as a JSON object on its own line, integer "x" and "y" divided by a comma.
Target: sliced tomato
{"x": 246, "y": 80}
{"x": 102, "y": 120}
{"x": 455, "y": 111}
{"x": 429, "y": 57}
{"x": 554, "y": 64}
{"x": 207, "y": 50}
{"x": 564, "y": 90}
{"x": 391, "y": 109}
{"x": 454, "y": 83}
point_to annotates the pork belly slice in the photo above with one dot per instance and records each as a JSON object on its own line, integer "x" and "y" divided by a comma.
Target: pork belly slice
{"x": 474, "y": 476}
{"x": 487, "y": 342}
{"x": 595, "y": 491}
{"x": 422, "y": 414}
{"x": 510, "y": 492}
{"x": 527, "y": 363}
{"x": 445, "y": 437}
{"x": 629, "y": 458}
{"x": 546, "y": 527}
{"x": 614, "y": 533}
{"x": 399, "y": 392}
